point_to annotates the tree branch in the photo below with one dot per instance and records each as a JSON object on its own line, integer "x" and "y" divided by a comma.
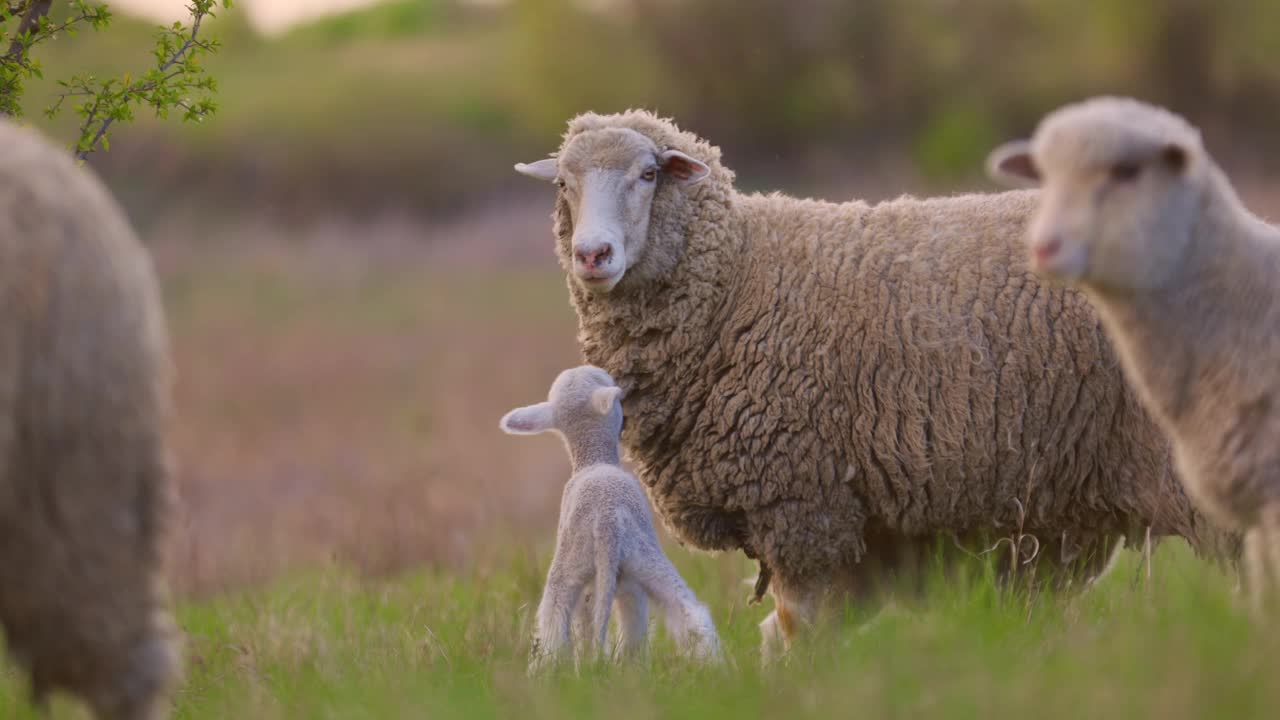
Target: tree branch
{"x": 30, "y": 20}
{"x": 133, "y": 92}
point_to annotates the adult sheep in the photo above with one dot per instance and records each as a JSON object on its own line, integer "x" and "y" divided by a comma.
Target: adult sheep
{"x": 84, "y": 393}
{"x": 832, "y": 387}
{"x": 1187, "y": 282}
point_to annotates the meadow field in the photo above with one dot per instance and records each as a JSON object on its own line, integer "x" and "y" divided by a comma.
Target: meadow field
{"x": 357, "y": 539}
{"x": 358, "y": 287}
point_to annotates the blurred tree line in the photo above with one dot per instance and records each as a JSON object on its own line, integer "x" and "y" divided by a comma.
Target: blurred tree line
{"x": 424, "y": 104}
{"x": 947, "y": 77}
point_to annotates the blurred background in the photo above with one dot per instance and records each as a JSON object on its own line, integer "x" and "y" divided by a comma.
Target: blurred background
{"x": 359, "y": 286}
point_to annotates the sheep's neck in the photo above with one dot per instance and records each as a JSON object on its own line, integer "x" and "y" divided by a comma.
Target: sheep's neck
{"x": 1182, "y": 343}
{"x": 590, "y": 449}
{"x": 665, "y": 370}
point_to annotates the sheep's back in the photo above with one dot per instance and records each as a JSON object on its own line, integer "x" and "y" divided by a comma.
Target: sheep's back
{"x": 901, "y": 365}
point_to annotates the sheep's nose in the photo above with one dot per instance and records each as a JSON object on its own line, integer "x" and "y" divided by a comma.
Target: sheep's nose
{"x": 1046, "y": 247}
{"x": 590, "y": 256}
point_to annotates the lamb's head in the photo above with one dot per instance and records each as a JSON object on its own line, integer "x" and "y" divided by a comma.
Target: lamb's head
{"x": 609, "y": 175}
{"x": 584, "y": 403}
{"x": 1121, "y": 190}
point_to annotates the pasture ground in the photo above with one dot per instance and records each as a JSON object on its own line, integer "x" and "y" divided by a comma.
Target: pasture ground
{"x": 357, "y": 539}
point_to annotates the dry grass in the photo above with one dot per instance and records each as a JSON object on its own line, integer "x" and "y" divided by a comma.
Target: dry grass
{"x": 340, "y": 386}
{"x": 339, "y": 397}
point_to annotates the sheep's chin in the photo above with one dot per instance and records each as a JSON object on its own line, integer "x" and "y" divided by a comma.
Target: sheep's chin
{"x": 1068, "y": 266}
{"x": 597, "y": 285}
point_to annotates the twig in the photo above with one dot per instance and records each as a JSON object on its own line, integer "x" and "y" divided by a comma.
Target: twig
{"x": 30, "y": 19}
{"x": 131, "y": 93}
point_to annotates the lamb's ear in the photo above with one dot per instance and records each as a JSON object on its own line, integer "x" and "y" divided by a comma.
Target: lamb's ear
{"x": 602, "y": 399}
{"x": 529, "y": 420}
{"x": 546, "y": 169}
{"x": 1012, "y": 161}
{"x": 682, "y": 167}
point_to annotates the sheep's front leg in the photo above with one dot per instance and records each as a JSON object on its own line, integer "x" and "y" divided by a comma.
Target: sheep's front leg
{"x": 555, "y": 615}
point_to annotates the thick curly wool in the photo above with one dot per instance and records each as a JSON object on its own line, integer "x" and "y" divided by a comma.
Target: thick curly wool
{"x": 84, "y": 393}
{"x": 806, "y": 379}
{"x": 1185, "y": 280}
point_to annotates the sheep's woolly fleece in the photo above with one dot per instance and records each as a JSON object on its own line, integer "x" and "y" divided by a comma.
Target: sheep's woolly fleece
{"x": 805, "y": 379}
{"x": 84, "y": 399}
{"x": 1189, "y": 296}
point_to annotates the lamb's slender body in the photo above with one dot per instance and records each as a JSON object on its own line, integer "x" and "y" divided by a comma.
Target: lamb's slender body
{"x": 1187, "y": 282}
{"x": 833, "y": 387}
{"x": 606, "y": 546}
{"x": 84, "y": 398}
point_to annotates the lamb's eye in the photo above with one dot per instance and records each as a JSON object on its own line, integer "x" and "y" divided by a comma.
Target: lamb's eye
{"x": 1125, "y": 171}
{"x": 560, "y": 183}
{"x": 649, "y": 175}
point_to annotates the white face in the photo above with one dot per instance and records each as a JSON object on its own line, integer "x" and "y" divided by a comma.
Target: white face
{"x": 609, "y": 184}
{"x": 610, "y": 209}
{"x": 1122, "y": 224}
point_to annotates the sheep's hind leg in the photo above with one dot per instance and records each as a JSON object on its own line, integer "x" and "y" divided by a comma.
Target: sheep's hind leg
{"x": 582, "y": 622}
{"x": 633, "y": 620}
{"x": 606, "y": 586}
{"x": 1269, "y": 564}
{"x": 1256, "y": 568}
{"x": 688, "y": 620}
{"x": 794, "y": 613}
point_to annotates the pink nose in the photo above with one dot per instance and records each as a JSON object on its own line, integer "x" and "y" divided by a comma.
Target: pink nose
{"x": 591, "y": 257}
{"x": 1046, "y": 248}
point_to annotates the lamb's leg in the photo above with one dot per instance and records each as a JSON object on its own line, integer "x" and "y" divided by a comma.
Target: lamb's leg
{"x": 583, "y": 617}
{"x": 688, "y": 620}
{"x": 633, "y": 619}
{"x": 772, "y": 642}
{"x": 555, "y": 614}
{"x": 606, "y": 586}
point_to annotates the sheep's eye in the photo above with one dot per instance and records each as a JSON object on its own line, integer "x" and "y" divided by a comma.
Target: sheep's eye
{"x": 560, "y": 183}
{"x": 649, "y": 175}
{"x": 1125, "y": 171}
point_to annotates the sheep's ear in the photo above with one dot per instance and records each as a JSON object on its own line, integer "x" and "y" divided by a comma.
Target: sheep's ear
{"x": 602, "y": 399}
{"x": 1174, "y": 157}
{"x": 682, "y": 167}
{"x": 546, "y": 169}
{"x": 1012, "y": 161}
{"x": 529, "y": 420}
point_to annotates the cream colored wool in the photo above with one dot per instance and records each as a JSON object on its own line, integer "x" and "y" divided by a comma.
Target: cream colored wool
{"x": 1187, "y": 282}
{"x": 84, "y": 394}
{"x": 832, "y": 387}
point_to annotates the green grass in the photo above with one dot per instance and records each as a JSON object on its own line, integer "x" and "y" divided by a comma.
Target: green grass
{"x": 438, "y": 646}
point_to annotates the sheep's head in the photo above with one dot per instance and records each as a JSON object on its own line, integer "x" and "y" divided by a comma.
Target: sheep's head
{"x": 583, "y": 401}
{"x": 1120, "y": 192}
{"x": 608, "y": 178}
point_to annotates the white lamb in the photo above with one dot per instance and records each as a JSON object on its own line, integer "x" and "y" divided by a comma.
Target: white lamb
{"x": 606, "y": 536}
